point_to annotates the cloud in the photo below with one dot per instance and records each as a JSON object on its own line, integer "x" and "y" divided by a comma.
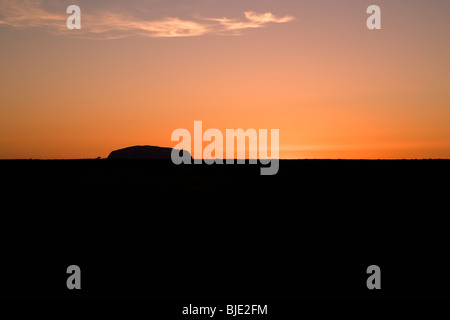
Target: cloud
{"x": 254, "y": 20}
{"x": 122, "y": 26}
{"x": 110, "y": 25}
{"x": 28, "y": 13}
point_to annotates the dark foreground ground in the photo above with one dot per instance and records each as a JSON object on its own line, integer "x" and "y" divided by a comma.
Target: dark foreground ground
{"x": 150, "y": 229}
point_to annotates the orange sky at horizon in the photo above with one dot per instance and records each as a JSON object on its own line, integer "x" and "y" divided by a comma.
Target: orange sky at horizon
{"x": 332, "y": 87}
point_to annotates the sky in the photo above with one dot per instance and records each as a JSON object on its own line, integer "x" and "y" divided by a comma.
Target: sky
{"x": 138, "y": 70}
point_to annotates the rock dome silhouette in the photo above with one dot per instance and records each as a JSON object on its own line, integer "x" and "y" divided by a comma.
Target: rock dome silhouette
{"x": 144, "y": 152}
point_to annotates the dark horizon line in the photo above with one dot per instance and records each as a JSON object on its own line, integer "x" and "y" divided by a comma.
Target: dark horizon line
{"x": 234, "y": 159}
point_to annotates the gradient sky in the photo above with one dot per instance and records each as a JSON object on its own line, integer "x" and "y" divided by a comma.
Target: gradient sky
{"x": 137, "y": 70}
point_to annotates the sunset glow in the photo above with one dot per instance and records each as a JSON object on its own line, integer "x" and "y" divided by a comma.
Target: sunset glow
{"x": 138, "y": 70}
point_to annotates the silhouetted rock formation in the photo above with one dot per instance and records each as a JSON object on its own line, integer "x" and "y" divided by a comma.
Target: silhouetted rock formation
{"x": 143, "y": 152}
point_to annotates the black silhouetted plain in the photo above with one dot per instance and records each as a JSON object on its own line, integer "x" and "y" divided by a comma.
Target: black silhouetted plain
{"x": 149, "y": 228}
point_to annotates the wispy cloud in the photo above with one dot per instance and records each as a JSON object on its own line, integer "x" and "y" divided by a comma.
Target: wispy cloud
{"x": 120, "y": 25}
{"x": 254, "y": 20}
{"x": 28, "y": 13}
{"x": 108, "y": 24}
